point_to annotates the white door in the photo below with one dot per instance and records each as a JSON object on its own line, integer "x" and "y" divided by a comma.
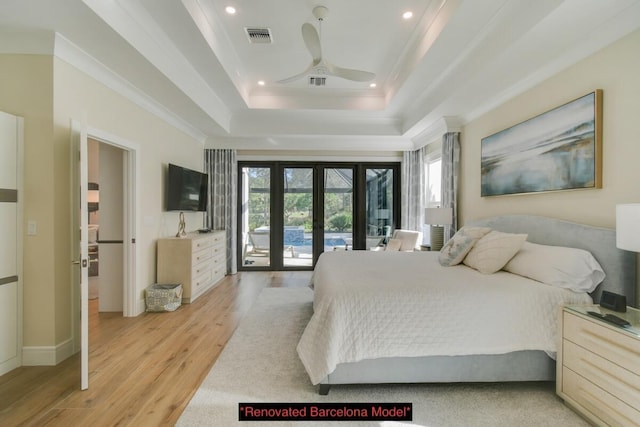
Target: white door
{"x": 80, "y": 229}
{"x": 10, "y": 243}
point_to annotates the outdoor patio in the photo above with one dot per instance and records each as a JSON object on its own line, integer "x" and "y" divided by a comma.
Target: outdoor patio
{"x": 297, "y": 252}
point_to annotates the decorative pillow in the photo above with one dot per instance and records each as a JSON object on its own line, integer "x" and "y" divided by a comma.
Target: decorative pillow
{"x": 393, "y": 245}
{"x": 493, "y": 251}
{"x": 454, "y": 251}
{"x": 569, "y": 268}
{"x": 475, "y": 232}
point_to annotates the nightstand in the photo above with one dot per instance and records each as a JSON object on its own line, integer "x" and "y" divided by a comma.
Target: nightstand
{"x": 598, "y": 365}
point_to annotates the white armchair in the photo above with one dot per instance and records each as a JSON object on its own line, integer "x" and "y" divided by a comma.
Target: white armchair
{"x": 408, "y": 239}
{"x": 403, "y": 240}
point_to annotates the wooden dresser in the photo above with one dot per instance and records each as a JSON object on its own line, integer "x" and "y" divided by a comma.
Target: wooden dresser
{"x": 598, "y": 366}
{"x": 197, "y": 261}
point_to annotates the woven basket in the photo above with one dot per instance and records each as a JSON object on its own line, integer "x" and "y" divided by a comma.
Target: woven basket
{"x": 163, "y": 297}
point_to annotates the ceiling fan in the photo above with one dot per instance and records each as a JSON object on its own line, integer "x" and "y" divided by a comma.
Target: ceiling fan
{"x": 320, "y": 66}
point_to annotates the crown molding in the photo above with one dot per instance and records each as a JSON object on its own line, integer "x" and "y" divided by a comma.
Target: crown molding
{"x": 133, "y": 23}
{"x": 314, "y": 143}
{"x": 433, "y": 133}
{"x": 626, "y": 21}
{"x": 72, "y": 54}
{"x": 54, "y": 44}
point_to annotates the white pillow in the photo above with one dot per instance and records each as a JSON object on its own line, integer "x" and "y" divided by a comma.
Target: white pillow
{"x": 493, "y": 251}
{"x": 454, "y": 251}
{"x": 569, "y": 268}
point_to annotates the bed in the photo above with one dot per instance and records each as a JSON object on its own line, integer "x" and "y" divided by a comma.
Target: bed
{"x": 403, "y": 318}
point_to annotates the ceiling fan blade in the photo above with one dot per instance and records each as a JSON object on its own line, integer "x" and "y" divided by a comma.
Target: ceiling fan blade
{"x": 349, "y": 74}
{"x": 297, "y": 76}
{"x": 312, "y": 41}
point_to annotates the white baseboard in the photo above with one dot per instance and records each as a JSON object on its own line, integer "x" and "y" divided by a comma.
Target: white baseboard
{"x": 9, "y": 365}
{"x": 141, "y": 307}
{"x": 47, "y": 355}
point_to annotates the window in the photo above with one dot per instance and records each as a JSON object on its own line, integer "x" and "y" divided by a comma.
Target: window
{"x": 434, "y": 177}
{"x": 433, "y": 183}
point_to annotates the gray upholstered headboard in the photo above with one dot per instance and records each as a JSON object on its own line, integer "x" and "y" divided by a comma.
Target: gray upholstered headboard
{"x": 618, "y": 265}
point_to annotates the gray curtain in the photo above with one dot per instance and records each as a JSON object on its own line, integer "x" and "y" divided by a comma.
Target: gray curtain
{"x": 450, "y": 171}
{"x": 222, "y": 167}
{"x": 413, "y": 190}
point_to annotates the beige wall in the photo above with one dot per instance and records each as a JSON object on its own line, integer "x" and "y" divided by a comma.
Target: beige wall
{"x": 615, "y": 70}
{"x": 26, "y": 90}
{"x": 48, "y": 93}
{"x": 80, "y": 97}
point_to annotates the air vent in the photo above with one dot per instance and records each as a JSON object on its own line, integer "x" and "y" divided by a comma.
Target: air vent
{"x": 317, "y": 81}
{"x": 259, "y": 35}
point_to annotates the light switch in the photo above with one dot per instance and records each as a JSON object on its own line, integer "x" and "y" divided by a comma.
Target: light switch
{"x": 32, "y": 228}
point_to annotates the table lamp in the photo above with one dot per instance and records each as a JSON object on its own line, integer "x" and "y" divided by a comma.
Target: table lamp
{"x": 628, "y": 227}
{"x": 437, "y": 218}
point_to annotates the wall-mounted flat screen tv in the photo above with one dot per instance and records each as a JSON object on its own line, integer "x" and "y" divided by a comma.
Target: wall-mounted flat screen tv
{"x": 186, "y": 189}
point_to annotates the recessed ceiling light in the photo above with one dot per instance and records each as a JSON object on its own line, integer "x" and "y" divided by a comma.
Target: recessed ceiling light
{"x": 373, "y": 85}
{"x": 261, "y": 82}
{"x": 230, "y": 10}
{"x": 407, "y": 15}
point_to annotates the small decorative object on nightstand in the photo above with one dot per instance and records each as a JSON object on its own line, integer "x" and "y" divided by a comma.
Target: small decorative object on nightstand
{"x": 598, "y": 365}
{"x": 438, "y": 218}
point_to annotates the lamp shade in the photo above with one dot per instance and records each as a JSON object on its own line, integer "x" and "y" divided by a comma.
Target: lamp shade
{"x": 628, "y": 227}
{"x": 384, "y": 213}
{"x": 93, "y": 196}
{"x": 438, "y": 216}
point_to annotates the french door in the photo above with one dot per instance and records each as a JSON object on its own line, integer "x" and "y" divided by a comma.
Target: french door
{"x": 304, "y": 209}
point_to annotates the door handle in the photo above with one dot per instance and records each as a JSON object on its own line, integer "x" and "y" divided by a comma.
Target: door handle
{"x": 84, "y": 263}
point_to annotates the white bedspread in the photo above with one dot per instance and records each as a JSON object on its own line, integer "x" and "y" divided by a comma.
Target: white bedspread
{"x": 371, "y": 305}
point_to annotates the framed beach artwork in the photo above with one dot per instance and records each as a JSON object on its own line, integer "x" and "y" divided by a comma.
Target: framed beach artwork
{"x": 557, "y": 150}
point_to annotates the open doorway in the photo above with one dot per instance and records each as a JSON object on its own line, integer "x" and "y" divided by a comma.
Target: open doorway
{"x": 127, "y": 152}
{"x": 106, "y": 225}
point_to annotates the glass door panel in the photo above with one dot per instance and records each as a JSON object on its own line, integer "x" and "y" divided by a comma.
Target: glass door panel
{"x": 289, "y": 213}
{"x": 338, "y": 209}
{"x": 255, "y": 205}
{"x": 297, "y": 217}
{"x": 379, "y": 206}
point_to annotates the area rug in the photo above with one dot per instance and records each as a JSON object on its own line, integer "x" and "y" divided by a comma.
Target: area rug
{"x": 260, "y": 364}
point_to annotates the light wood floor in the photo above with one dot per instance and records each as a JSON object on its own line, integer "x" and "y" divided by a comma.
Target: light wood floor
{"x": 143, "y": 370}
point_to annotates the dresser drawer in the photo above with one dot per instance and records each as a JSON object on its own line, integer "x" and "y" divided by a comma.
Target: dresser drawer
{"x": 202, "y": 255}
{"x": 607, "y": 375}
{"x": 219, "y": 267}
{"x": 604, "y": 341}
{"x": 200, "y": 269}
{"x": 598, "y": 402}
{"x": 199, "y": 244}
{"x": 201, "y": 281}
{"x": 219, "y": 239}
{"x": 218, "y": 250}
